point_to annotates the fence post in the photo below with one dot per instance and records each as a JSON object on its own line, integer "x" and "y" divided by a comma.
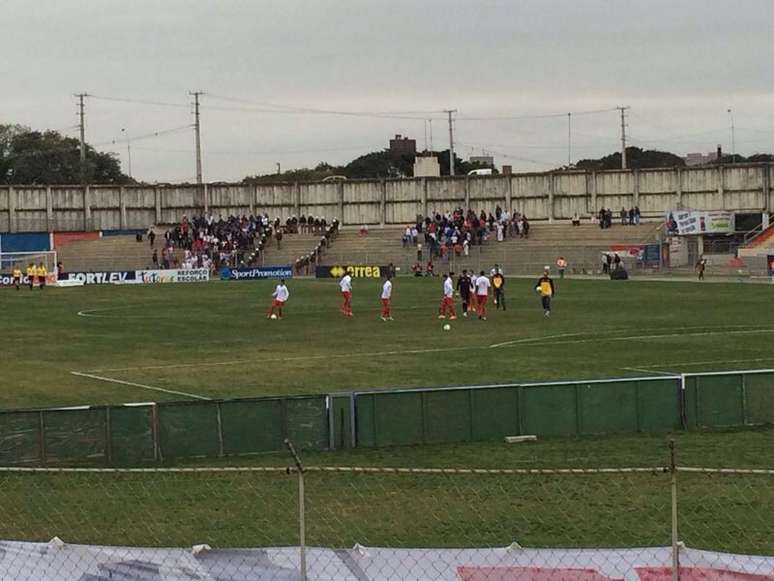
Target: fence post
{"x": 675, "y": 542}
{"x": 301, "y": 506}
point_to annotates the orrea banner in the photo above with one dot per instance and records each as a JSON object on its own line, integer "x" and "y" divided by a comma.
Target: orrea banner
{"x": 354, "y": 270}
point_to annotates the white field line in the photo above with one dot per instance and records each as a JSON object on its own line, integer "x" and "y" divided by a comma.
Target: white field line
{"x": 139, "y": 385}
{"x": 663, "y": 336}
{"x": 650, "y": 371}
{"x": 534, "y": 339}
{"x": 294, "y": 358}
{"x": 96, "y": 313}
{"x": 714, "y": 362}
{"x": 516, "y": 342}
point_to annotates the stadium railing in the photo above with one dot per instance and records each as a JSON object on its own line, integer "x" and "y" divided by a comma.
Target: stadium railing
{"x": 363, "y": 523}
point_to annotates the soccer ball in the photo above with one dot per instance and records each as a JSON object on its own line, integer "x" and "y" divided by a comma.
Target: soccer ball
{"x": 447, "y": 327}
{"x": 273, "y": 316}
{"x": 537, "y": 289}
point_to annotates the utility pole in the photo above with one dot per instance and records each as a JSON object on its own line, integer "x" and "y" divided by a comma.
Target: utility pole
{"x": 430, "y": 122}
{"x": 197, "y": 132}
{"x": 733, "y": 136}
{"x": 569, "y": 140}
{"x": 82, "y": 125}
{"x": 279, "y": 168}
{"x": 451, "y": 141}
{"x": 128, "y": 152}
{"x": 623, "y": 135}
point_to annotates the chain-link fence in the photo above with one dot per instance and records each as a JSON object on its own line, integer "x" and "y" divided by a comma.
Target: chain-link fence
{"x": 359, "y": 523}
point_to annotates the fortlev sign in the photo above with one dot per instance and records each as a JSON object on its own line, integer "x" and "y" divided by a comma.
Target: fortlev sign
{"x": 117, "y": 277}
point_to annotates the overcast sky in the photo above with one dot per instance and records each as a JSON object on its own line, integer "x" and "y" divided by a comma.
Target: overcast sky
{"x": 679, "y": 65}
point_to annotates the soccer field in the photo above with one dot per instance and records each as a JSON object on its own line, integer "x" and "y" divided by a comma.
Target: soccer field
{"x": 152, "y": 343}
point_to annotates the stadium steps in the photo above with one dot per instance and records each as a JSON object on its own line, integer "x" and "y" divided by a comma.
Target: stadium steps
{"x": 580, "y": 245}
{"x": 108, "y": 253}
{"x": 294, "y": 246}
{"x": 760, "y": 245}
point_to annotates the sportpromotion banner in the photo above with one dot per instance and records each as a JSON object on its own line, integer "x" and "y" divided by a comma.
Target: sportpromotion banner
{"x": 354, "y": 270}
{"x": 58, "y": 561}
{"x": 685, "y": 222}
{"x": 256, "y": 272}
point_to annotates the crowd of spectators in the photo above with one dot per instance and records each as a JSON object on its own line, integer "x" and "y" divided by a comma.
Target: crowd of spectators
{"x": 455, "y": 232}
{"x": 210, "y": 242}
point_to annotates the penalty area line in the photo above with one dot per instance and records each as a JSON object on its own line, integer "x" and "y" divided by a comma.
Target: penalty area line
{"x": 139, "y": 385}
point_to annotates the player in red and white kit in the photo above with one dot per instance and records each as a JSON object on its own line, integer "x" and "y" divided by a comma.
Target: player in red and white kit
{"x": 278, "y": 299}
{"x": 447, "y": 301}
{"x": 482, "y": 294}
{"x": 345, "y": 284}
{"x": 386, "y": 298}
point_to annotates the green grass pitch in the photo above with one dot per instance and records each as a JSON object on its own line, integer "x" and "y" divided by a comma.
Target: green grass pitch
{"x": 213, "y": 340}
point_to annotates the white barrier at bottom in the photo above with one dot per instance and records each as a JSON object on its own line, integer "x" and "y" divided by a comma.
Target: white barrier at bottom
{"x": 59, "y": 561}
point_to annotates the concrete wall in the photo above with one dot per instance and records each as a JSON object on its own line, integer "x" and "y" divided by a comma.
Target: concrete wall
{"x": 544, "y": 196}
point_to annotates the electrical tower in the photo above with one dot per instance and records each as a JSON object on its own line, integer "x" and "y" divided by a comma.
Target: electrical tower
{"x": 451, "y": 141}
{"x": 197, "y": 133}
{"x": 623, "y": 135}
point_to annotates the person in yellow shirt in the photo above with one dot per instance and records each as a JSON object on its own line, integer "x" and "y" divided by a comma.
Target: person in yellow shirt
{"x": 17, "y": 276}
{"x": 42, "y": 273}
{"x": 545, "y": 288}
{"x": 32, "y": 272}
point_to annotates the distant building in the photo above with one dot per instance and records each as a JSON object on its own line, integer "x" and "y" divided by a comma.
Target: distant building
{"x": 485, "y": 160}
{"x": 700, "y": 158}
{"x": 426, "y": 166}
{"x": 403, "y": 146}
{"x": 507, "y": 170}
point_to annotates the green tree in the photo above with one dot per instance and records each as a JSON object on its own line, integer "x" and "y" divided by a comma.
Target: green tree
{"x": 636, "y": 158}
{"x": 47, "y": 158}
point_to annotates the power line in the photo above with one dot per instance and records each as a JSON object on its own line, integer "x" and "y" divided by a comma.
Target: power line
{"x": 152, "y": 135}
{"x": 138, "y": 101}
{"x": 541, "y": 116}
{"x": 292, "y": 109}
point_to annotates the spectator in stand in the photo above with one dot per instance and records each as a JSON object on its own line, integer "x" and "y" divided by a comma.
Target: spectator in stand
{"x": 407, "y": 238}
{"x": 576, "y": 219}
{"x": 278, "y": 238}
{"x": 151, "y": 237}
{"x": 637, "y": 215}
{"x": 561, "y": 264}
{"x": 429, "y": 269}
{"x": 624, "y": 217}
{"x": 155, "y": 258}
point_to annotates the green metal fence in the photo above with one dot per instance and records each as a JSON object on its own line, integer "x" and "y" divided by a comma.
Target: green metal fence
{"x": 727, "y": 399}
{"x": 492, "y": 412}
{"x": 137, "y": 434}
{"x": 144, "y": 433}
